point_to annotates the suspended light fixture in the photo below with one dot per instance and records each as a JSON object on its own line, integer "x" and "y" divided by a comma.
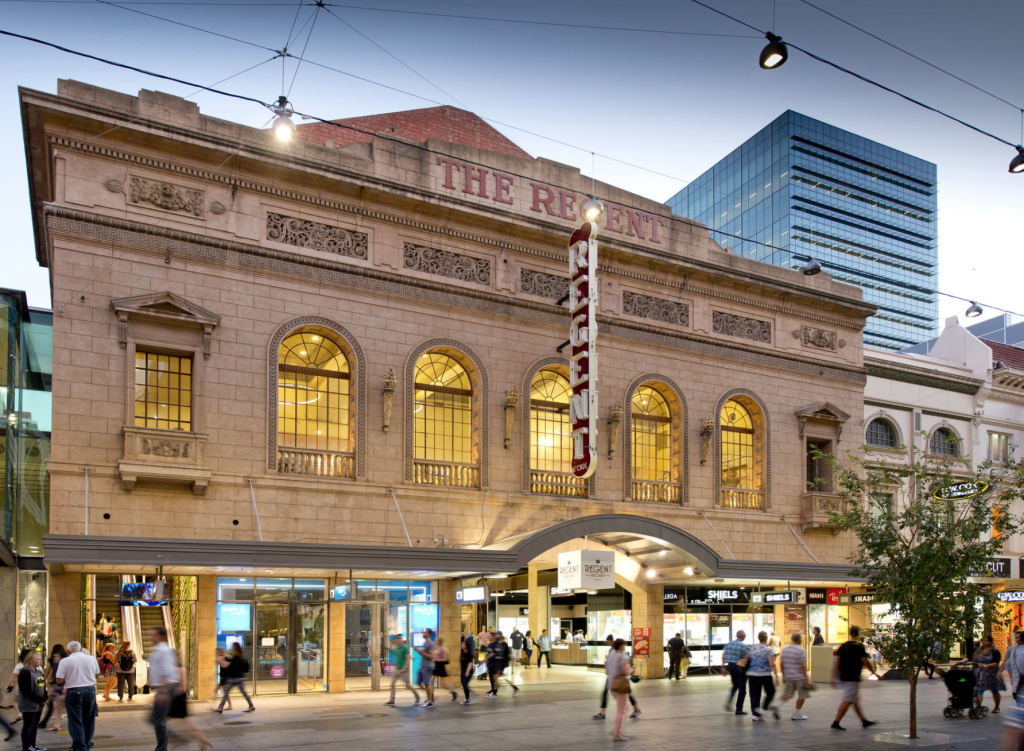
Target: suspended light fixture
{"x": 775, "y": 53}
{"x": 974, "y": 311}
{"x": 1017, "y": 163}
{"x": 283, "y": 126}
{"x": 810, "y": 268}
{"x": 593, "y": 209}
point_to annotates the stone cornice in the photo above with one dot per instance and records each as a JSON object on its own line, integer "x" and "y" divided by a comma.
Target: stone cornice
{"x": 256, "y": 258}
{"x": 551, "y": 227}
{"x": 922, "y": 377}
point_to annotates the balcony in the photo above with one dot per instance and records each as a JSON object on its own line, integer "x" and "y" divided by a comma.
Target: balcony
{"x": 295, "y": 461}
{"x": 557, "y": 483}
{"x": 751, "y": 500}
{"x": 655, "y": 492}
{"x": 816, "y": 509}
{"x": 176, "y": 456}
{"x": 446, "y": 474}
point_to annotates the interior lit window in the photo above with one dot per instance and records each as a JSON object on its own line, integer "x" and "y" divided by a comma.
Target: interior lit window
{"x": 550, "y": 429}
{"x": 652, "y": 436}
{"x": 442, "y": 410}
{"x": 737, "y": 447}
{"x": 163, "y": 391}
{"x": 313, "y": 394}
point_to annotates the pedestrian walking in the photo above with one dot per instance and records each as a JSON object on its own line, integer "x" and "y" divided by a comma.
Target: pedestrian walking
{"x": 1013, "y": 662}
{"x": 222, "y": 662}
{"x": 986, "y": 672}
{"x": 675, "y": 656}
{"x": 108, "y": 666}
{"x": 441, "y": 668}
{"x": 12, "y": 681}
{"x": 850, "y": 660}
{"x": 618, "y": 669}
{"x": 497, "y": 663}
{"x": 124, "y": 661}
{"x": 818, "y": 638}
{"x": 794, "y": 676}
{"x": 687, "y": 657}
{"x": 775, "y": 644}
{"x": 1013, "y": 719}
{"x": 466, "y": 666}
{"x": 515, "y": 643}
{"x": 77, "y": 673}
{"x": 610, "y": 640}
{"x": 544, "y": 644}
{"x": 426, "y": 675}
{"x": 402, "y": 660}
{"x": 528, "y": 646}
{"x": 762, "y": 676}
{"x": 56, "y": 703}
{"x": 31, "y": 698}
{"x": 735, "y": 659}
{"x": 237, "y": 669}
{"x": 8, "y": 727}
{"x": 168, "y": 680}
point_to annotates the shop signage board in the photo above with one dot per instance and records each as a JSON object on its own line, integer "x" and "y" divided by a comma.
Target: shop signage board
{"x": 673, "y": 595}
{"x": 996, "y": 567}
{"x": 641, "y": 641}
{"x": 1010, "y": 596}
{"x": 775, "y": 598}
{"x": 817, "y": 596}
{"x": 561, "y": 591}
{"x": 583, "y": 359}
{"x": 834, "y": 594}
{"x": 716, "y": 595}
{"x": 960, "y": 491}
{"x": 475, "y": 594}
{"x": 857, "y": 598}
{"x": 524, "y": 611}
{"x": 586, "y": 569}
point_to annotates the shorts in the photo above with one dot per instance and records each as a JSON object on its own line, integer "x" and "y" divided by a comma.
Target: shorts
{"x": 795, "y": 687}
{"x": 851, "y": 689}
{"x": 517, "y": 654}
{"x": 424, "y": 677}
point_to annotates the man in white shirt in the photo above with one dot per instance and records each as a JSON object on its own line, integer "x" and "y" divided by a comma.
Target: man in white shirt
{"x": 794, "y": 675}
{"x": 77, "y": 673}
{"x": 164, "y": 678}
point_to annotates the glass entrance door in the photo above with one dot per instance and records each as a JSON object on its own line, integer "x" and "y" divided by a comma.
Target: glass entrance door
{"x": 274, "y": 671}
{"x": 365, "y": 643}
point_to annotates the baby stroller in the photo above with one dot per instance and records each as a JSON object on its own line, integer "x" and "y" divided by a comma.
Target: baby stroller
{"x": 960, "y": 682}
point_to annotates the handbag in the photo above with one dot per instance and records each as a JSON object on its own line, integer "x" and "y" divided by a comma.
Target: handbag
{"x": 620, "y": 685}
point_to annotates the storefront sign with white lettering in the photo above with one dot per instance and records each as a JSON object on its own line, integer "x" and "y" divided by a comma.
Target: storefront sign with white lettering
{"x": 586, "y": 569}
{"x": 583, "y": 340}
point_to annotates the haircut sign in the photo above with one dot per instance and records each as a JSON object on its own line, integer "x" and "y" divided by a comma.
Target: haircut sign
{"x": 582, "y": 338}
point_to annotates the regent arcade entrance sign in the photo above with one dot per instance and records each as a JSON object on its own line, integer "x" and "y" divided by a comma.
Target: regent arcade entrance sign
{"x": 586, "y": 569}
{"x": 583, "y": 340}
{"x": 961, "y": 491}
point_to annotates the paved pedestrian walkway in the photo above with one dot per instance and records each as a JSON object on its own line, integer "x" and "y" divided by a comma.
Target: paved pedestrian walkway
{"x": 675, "y": 715}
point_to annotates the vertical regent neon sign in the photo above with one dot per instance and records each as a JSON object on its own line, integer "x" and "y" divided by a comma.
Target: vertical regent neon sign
{"x": 583, "y": 340}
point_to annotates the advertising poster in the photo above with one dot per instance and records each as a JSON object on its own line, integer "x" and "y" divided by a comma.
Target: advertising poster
{"x": 641, "y": 641}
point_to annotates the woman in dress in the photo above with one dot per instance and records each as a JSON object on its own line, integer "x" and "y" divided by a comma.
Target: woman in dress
{"x": 56, "y": 704}
{"x": 441, "y": 667}
{"x": 986, "y": 673}
{"x": 108, "y": 667}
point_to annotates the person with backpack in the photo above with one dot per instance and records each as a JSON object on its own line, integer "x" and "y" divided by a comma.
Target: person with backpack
{"x": 237, "y": 669}
{"x": 109, "y": 668}
{"x": 125, "y": 661}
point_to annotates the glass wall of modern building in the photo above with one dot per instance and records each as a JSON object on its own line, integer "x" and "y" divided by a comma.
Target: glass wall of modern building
{"x": 801, "y": 188}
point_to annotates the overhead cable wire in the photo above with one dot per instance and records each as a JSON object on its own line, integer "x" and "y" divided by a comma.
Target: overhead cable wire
{"x": 298, "y": 8}
{"x": 911, "y": 54}
{"x": 865, "y": 79}
{"x": 423, "y": 147}
{"x": 304, "y": 46}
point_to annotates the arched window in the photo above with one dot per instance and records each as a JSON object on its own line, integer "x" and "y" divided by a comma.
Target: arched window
{"x": 881, "y": 434}
{"x": 741, "y": 473}
{"x": 653, "y": 471}
{"x": 944, "y": 443}
{"x": 550, "y": 437}
{"x": 314, "y": 433}
{"x": 443, "y": 422}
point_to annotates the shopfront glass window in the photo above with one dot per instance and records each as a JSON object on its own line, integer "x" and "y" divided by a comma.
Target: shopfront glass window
{"x": 394, "y": 590}
{"x": 313, "y": 394}
{"x": 423, "y": 591}
{"x": 234, "y": 589}
{"x": 273, "y": 589}
{"x": 32, "y": 610}
{"x": 443, "y": 410}
{"x": 310, "y": 590}
{"x": 366, "y": 591}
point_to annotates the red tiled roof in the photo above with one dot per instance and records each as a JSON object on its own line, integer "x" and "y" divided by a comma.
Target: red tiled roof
{"x": 449, "y": 124}
{"x": 1011, "y": 357}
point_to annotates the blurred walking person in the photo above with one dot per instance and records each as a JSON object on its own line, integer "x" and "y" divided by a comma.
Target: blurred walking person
{"x": 109, "y": 669}
{"x": 528, "y": 645}
{"x": 794, "y": 676}
{"x": 401, "y": 670}
{"x": 56, "y": 703}
{"x": 220, "y": 658}
{"x": 77, "y": 673}
{"x": 762, "y": 675}
{"x": 426, "y": 676}
{"x": 31, "y": 698}
{"x": 12, "y": 682}
{"x": 610, "y": 640}
{"x": 124, "y": 660}
{"x": 851, "y": 659}
{"x": 544, "y": 645}
{"x": 238, "y": 666}
{"x": 466, "y": 666}
{"x": 169, "y": 681}
{"x": 675, "y": 656}
{"x": 441, "y": 668}
{"x": 735, "y": 659}
{"x": 497, "y": 662}
{"x": 515, "y": 643}
{"x": 618, "y": 670}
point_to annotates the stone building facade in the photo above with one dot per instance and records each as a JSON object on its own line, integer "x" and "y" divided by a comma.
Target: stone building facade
{"x": 208, "y": 247}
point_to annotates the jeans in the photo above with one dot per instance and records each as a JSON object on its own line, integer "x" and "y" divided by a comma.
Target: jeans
{"x": 398, "y": 675}
{"x": 465, "y": 682}
{"x": 30, "y": 724}
{"x": 82, "y": 711}
{"x": 231, "y": 683}
{"x": 739, "y": 685}
{"x": 161, "y": 706}
{"x": 604, "y": 696}
{"x": 544, "y": 654}
{"x": 122, "y": 679}
{"x": 673, "y": 664}
{"x": 929, "y": 668}
{"x": 757, "y": 684}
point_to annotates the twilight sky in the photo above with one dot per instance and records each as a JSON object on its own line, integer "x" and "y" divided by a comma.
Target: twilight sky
{"x": 672, "y": 103}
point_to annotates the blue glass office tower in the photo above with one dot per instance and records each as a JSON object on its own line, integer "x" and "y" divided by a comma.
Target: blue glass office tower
{"x": 801, "y": 188}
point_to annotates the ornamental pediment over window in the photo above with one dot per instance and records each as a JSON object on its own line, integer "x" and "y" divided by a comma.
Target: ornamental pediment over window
{"x": 822, "y": 413}
{"x": 164, "y": 308}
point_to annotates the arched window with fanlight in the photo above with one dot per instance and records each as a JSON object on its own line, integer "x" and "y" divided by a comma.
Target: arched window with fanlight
{"x": 653, "y": 464}
{"x": 742, "y": 460}
{"x": 550, "y": 437}
{"x": 881, "y": 434}
{"x": 314, "y": 419}
{"x": 443, "y": 440}
{"x": 944, "y": 443}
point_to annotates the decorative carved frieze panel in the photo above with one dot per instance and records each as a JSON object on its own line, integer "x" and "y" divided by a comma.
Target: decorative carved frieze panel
{"x": 303, "y": 233}
{"x": 166, "y": 196}
{"x": 544, "y": 285}
{"x": 655, "y": 308}
{"x": 819, "y": 338}
{"x": 448, "y": 264}
{"x": 745, "y": 328}
{"x": 164, "y": 456}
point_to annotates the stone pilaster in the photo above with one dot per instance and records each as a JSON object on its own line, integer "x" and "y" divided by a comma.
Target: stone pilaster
{"x": 451, "y": 617}
{"x": 649, "y": 612}
{"x": 206, "y": 636}
{"x": 336, "y": 647}
{"x": 64, "y": 620}
{"x": 538, "y": 604}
